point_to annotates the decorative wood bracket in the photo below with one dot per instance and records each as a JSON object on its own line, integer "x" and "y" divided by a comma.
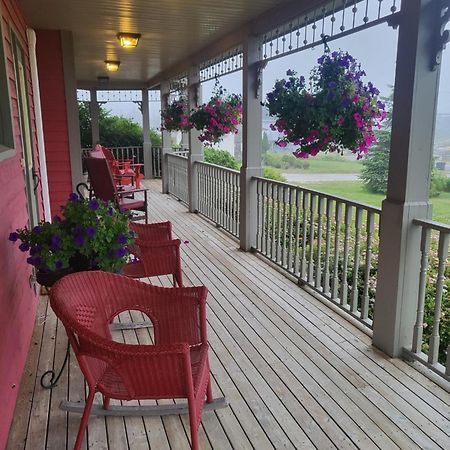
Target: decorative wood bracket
{"x": 259, "y": 68}
{"x": 442, "y": 35}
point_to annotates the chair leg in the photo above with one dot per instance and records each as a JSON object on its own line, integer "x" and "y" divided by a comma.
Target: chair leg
{"x": 193, "y": 425}
{"x": 209, "y": 394}
{"x": 106, "y": 402}
{"x": 84, "y": 419}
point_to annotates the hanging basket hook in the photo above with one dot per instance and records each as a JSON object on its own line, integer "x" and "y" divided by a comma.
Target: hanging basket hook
{"x": 326, "y": 47}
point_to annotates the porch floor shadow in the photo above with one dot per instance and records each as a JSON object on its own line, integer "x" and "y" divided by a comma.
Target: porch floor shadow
{"x": 295, "y": 373}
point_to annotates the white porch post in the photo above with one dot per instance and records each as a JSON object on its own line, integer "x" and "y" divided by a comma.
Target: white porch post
{"x": 166, "y": 140}
{"x": 147, "y": 146}
{"x": 94, "y": 108}
{"x": 251, "y": 142}
{"x": 415, "y": 99}
{"x": 195, "y": 146}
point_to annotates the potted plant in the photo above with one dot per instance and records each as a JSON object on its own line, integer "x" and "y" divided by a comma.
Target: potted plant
{"x": 220, "y": 116}
{"x": 333, "y": 111}
{"x": 176, "y": 116}
{"x": 91, "y": 235}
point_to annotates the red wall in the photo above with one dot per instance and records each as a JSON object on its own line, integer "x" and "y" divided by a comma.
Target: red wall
{"x": 17, "y": 300}
{"x": 54, "y": 116}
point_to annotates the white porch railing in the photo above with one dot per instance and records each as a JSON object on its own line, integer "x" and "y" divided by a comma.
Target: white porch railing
{"x": 327, "y": 242}
{"x": 156, "y": 161}
{"x": 177, "y": 167}
{"x": 218, "y": 191}
{"x": 431, "y": 339}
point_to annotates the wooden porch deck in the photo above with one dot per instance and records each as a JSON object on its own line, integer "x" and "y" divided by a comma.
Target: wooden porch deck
{"x": 295, "y": 373}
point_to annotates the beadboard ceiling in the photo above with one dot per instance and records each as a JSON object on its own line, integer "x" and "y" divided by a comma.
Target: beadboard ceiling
{"x": 171, "y": 30}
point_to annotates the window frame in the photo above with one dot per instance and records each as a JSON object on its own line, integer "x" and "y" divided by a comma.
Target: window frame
{"x": 7, "y": 147}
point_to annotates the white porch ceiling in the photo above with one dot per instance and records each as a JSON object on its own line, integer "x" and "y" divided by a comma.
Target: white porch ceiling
{"x": 171, "y": 31}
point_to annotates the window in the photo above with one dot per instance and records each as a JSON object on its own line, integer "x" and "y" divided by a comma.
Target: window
{"x": 6, "y": 131}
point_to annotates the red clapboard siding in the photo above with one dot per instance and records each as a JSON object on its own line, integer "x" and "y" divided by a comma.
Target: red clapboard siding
{"x": 54, "y": 116}
{"x": 17, "y": 300}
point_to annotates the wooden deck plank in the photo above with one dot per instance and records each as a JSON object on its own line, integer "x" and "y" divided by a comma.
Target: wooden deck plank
{"x": 250, "y": 314}
{"x": 18, "y": 434}
{"x": 56, "y": 435}
{"x": 37, "y": 431}
{"x": 295, "y": 373}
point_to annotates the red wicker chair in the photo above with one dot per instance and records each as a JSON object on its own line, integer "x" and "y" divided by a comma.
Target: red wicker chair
{"x": 154, "y": 259}
{"x": 123, "y": 174}
{"x": 104, "y": 188}
{"x": 153, "y": 232}
{"x": 176, "y": 366}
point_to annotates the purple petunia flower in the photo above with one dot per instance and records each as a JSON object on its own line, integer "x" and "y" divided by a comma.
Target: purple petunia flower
{"x": 58, "y": 265}
{"x": 37, "y": 229}
{"x": 56, "y": 239}
{"x": 94, "y": 204}
{"x": 121, "y": 239}
{"x": 110, "y": 211}
{"x": 79, "y": 240}
{"x": 13, "y": 237}
{"x": 73, "y": 197}
{"x": 24, "y": 247}
{"x": 78, "y": 230}
{"x": 121, "y": 252}
{"x": 35, "y": 250}
{"x": 91, "y": 231}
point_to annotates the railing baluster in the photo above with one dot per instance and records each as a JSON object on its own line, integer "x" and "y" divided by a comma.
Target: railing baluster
{"x": 290, "y": 229}
{"x": 285, "y": 240}
{"x": 418, "y": 327}
{"x": 312, "y": 224}
{"x": 298, "y": 198}
{"x": 347, "y": 222}
{"x": 326, "y": 278}
{"x": 355, "y": 292}
{"x": 368, "y": 265}
{"x": 273, "y": 243}
{"x": 320, "y": 209}
{"x": 279, "y": 221}
{"x": 335, "y": 281}
{"x": 304, "y": 234}
{"x": 435, "y": 338}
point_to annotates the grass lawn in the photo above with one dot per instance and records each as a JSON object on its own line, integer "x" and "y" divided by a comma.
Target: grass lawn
{"x": 329, "y": 164}
{"x": 354, "y": 190}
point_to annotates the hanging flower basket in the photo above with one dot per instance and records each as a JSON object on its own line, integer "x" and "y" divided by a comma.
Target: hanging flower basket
{"x": 176, "y": 116}
{"x": 334, "y": 111}
{"x": 220, "y": 116}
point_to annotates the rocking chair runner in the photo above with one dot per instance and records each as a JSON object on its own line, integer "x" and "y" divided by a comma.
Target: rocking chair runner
{"x": 175, "y": 367}
{"x": 104, "y": 188}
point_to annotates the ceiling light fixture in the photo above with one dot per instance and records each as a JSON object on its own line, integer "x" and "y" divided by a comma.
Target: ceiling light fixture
{"x": 128, "y": 40}
{"x": 112, "y": 66}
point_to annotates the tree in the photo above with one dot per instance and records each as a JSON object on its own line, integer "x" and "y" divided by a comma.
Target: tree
{"x": 265, "y": 144}
{"x": 375, "y": 169}
{"x": 220, "y": 158}
{"x": 85, "y": 125}
{"x": 115, "y": 131}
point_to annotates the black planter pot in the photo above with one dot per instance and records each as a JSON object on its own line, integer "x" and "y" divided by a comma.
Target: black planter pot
{"x": 48, "y": 279}
{"x": 78, "y": 263}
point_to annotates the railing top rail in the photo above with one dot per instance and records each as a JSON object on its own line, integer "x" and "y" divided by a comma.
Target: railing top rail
{"x": 324, "y": 194}
{"x": 444, "y": 228}
{"x": 225, "y": 169}
{"x": 174, "y": 155}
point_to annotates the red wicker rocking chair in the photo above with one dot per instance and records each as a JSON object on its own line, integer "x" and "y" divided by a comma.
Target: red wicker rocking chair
{"x": 104, "y": 188}
{"x": 176, "y": 366}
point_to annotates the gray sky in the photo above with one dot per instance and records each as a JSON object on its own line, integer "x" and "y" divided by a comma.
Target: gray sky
{"x": 375, "y": 48}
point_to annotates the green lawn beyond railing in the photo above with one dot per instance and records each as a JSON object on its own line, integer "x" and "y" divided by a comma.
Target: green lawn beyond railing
{"x": 354, "y": 190}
